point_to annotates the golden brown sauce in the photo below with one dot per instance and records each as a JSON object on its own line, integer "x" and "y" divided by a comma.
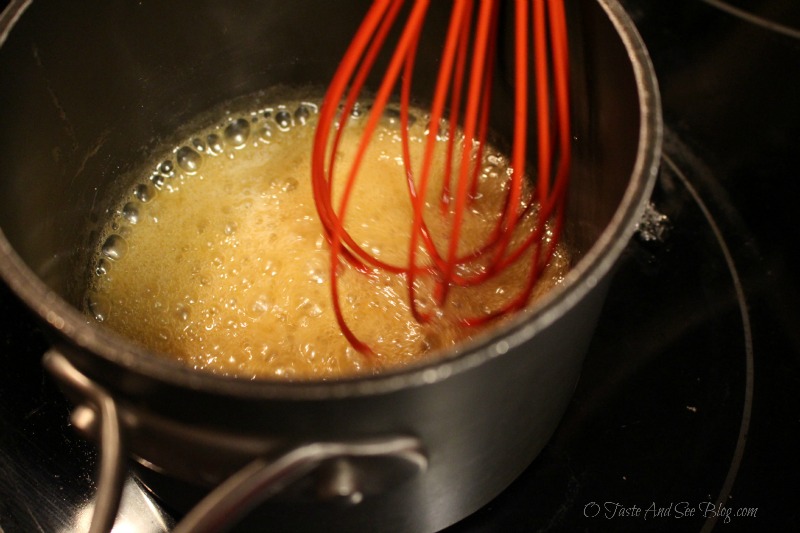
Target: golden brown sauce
{"x": 225, "y": 267}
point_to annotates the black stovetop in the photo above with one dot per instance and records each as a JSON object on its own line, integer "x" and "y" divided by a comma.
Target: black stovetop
{"x": 689, "y": 395}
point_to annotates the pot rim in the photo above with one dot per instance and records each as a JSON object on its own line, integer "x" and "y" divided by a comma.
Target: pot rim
{"x": 581, "y": 279}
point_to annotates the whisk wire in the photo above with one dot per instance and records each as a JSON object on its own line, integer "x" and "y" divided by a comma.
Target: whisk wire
{"x": 477, "y": 81}
{"x": 453, "y": 56}
{"x": 463, "y": 90}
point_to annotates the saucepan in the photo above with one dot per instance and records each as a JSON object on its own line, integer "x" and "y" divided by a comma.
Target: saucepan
{"x": 89, "y": 89}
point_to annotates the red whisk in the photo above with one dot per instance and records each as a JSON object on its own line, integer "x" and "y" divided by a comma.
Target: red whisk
{"x": 462, "y": 92}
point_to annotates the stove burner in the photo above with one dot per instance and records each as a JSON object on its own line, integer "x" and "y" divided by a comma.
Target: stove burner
{"x": 747, "y": 408}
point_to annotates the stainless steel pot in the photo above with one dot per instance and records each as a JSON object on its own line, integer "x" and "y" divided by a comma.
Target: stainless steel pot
{"x": 87, "y": 89}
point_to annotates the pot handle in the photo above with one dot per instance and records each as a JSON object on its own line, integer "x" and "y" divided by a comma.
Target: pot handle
{"x": 111, "y": 476}
{"x": 262, "y": 478}
{"x": 356, "y": 468}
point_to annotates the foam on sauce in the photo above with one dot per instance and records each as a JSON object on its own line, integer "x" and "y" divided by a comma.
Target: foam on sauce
{"x": 218, "y": 258}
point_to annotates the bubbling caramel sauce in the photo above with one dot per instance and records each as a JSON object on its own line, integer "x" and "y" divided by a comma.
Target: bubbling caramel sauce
{"x": 218, "y": 259}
